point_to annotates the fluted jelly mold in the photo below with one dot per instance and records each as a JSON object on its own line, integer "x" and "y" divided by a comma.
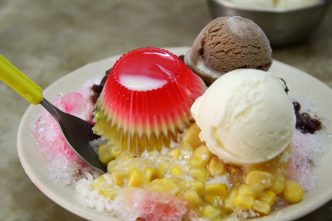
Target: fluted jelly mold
{"x": 146, "y": 100}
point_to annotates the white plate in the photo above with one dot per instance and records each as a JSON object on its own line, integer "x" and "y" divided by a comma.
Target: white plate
{"x": 36, "y": 166}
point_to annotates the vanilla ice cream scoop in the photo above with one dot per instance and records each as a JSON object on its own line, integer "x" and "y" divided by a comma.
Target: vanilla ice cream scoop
{"x": 245, "y": 117}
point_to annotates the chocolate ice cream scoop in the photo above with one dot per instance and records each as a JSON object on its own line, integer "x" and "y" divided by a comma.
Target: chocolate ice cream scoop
{"x": 226, "y": 44}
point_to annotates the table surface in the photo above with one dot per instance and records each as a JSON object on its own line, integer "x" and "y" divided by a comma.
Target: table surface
{"x": 47, "y": 39}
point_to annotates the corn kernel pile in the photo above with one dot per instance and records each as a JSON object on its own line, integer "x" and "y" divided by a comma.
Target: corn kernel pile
{"x": 212, "y": 189}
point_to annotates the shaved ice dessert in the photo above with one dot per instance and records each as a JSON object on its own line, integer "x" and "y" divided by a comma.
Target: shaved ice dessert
{"x": 183, "y": 175}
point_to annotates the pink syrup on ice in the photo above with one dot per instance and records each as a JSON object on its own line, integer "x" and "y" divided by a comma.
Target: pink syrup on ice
{"x": 152, "y": 206}
{"x": 48, "y": 135}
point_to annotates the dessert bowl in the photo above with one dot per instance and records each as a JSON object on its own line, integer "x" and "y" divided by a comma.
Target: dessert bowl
{"x": 35, "y": 165}
{"x": 282, "y": 26}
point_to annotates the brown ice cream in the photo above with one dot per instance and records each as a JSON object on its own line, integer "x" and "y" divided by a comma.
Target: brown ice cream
{"x": 226, "y": 44}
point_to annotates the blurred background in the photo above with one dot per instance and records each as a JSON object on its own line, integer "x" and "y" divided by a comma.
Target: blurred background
{"x": 47, "y": 39}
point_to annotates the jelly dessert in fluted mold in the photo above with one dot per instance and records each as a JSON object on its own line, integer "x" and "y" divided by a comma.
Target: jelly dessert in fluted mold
{"x": 146, "y": 100}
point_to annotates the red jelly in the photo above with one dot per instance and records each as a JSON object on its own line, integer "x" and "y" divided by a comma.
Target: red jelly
{"x": 146, "y": 99}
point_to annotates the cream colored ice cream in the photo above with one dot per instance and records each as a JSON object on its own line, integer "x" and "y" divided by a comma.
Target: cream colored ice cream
{"x": 245, "y": 117}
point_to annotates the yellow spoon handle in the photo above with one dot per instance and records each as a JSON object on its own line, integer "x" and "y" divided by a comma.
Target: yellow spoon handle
{"x": 19, "y": 82}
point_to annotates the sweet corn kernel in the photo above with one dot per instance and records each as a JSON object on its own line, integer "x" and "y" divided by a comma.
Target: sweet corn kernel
{"x": 115, "y": 152}
{"x": 262, "y": 177}
{"x": 269, "y": 197}
{"x": 192, "y": 198}
{"x": 163, "y": 185}
{"x": 197, "y": 162}
{"x": 111, "y": 166}
{"x": 243, "y": 201}
{"x": 176, "y": 171}
{"x": 149, "y": 174}
{"x": 108, "y": 193}
{"x": 210, "y": 212}
{"x": 191, "y": 136}
{"x": 198, "y": 174}
{"x": 209, "y": 198}
{"x": 133, "y": 164}
{"x": 257, "y": 188}
{"x": 216, "y": 190}
{"x": 103, "y": 185}
{"x": 229, "y": 200}
{"x": 118, "y": 178}
{"x": 124, "y": 157}
{"x": 293, "y": 192}
{"x": 162, "y": 169}
{"x": 198, "y": 186}
{"x": 200, "y": 157}
{"x": 180, "y": 182}
{"x": 261, "y": 207}
{"x": 99, "y": 182}
{"x": 185, "y": 146}
{"x": 175, "y": 153}
{"x": 216, "y": 201}
{"x": 279, "y": 184}
{"x": 104, "y": 154}
{"x": 245, "y": 190}
{"x": 216, "y": 166}
{"x": 135, "y": 177}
